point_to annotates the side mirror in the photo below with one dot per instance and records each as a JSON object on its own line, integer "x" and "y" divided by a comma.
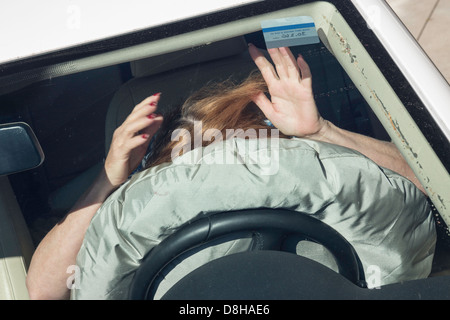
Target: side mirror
{"x": 19, "y": 148}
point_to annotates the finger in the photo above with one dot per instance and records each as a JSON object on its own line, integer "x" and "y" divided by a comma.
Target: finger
{"x": 264, "y": 104}
{"x": 145, "y": 108}
{"x": 145, "y": 135}
{"x": 148, "y": 103}
{"x": 304, "y": 68}
{"x": 266, "y": 68}
{"x": 153, "y": 98}
{"x": 279, "y": 62}
{"x": 290, "y": 63}
{"x": 153, "y": 127}
{"x": 139, "y": 140}
{"x": 140, "y": 125}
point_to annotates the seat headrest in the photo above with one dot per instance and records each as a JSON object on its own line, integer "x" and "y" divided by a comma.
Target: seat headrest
{"x": 186, "y": 57}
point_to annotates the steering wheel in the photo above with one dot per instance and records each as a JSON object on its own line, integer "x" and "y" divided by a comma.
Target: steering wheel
{"x": 274, "y": 225}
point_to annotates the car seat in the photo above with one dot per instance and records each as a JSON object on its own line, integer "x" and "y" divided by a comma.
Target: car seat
{"x": 177, "y": 75}
{"x": 16, "y": 245}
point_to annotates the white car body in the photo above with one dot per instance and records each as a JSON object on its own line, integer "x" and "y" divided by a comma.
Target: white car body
{"x": 31, "y": 30}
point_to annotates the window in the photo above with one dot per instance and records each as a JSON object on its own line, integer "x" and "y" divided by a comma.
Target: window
{"x": 74, "y": 106}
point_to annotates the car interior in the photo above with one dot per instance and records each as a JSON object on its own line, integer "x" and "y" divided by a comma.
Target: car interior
{"x": 74, "y": 114}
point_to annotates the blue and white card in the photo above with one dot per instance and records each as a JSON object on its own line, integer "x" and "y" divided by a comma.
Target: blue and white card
{"x": 289, "y": 32}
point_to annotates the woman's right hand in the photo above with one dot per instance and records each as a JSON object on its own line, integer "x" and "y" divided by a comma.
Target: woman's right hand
{"x": 292, "y": 108}
{"x": 130, "y": 141}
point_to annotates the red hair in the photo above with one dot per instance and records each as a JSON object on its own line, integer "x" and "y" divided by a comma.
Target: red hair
{"x": 220, "y": 106}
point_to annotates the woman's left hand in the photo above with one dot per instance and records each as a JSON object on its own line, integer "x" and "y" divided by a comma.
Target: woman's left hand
{"x": 292, "y": 108}
{"x": 130, "y": 141}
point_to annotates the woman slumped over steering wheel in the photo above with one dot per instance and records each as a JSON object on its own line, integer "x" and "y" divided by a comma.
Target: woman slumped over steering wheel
{"x": 290, "y": 107}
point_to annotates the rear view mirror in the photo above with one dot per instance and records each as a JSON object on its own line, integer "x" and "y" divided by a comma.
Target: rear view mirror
{"x": 19, "y": 148}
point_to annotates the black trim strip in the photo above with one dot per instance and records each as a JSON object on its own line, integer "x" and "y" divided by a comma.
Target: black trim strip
{"x": 147, "y": 35}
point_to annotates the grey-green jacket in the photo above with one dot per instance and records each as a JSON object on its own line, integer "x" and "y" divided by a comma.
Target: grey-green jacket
{"x": 383, "y": 215}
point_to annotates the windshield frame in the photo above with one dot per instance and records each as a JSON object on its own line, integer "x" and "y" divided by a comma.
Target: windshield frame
{"x": 410, "y": 99}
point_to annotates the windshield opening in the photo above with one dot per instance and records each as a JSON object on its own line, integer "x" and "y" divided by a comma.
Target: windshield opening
{"x": 74, "y": 115}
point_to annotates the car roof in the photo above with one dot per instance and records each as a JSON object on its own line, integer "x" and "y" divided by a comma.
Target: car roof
{"x": 46, "y": 26}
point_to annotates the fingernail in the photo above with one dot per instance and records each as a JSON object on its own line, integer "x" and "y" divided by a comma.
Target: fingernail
{"x": 153, "y": 103}
{"x": 157, "y": 94}
{"x": 151, "y": 116}
{"x": 145, "y": 136}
